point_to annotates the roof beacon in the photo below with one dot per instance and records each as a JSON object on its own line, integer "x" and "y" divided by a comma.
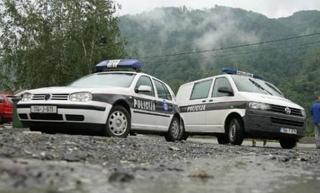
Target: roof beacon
{"x": 119, "y": 64}
{"x": 238, "y": 72}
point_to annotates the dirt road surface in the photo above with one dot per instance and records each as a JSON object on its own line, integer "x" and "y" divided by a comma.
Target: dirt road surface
{"x": 34, "y": 162}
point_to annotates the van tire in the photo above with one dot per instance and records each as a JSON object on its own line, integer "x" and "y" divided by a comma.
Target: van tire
{"x": 235, "y": 131}
{"x": 118, "y": 123}
{"x": 223, "y": 139}
{"x": 288, "y": 143}
{"x": 175, "y": 132}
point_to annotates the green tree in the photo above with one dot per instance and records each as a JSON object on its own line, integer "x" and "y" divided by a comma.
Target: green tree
{"x": 52, "y": 42}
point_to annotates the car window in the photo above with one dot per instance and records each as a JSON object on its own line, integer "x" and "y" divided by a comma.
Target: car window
{"x": 201, "y": 89}
{"x": 146, "y": 81}
{"x": 102, "y": 80}
{"x": 219, "y": 83}
{"x": 162, "y": 90}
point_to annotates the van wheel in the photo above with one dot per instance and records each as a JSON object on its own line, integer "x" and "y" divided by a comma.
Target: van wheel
{"x": 118, "y": 123}
{"x": 287, "y": 143}
{"x": 235, "y": 132}
{"x": 223, "y": 139}
{"x": 175, "y": 131}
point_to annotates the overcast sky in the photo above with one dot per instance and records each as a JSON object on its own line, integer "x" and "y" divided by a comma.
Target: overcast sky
{"x": 270, "y": 8}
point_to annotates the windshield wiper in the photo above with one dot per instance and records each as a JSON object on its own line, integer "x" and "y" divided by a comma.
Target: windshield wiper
{"x": 259, "y": 86}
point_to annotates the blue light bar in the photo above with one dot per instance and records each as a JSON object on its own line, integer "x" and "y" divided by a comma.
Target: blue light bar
{"x": 119, "y": 64}
{"x": 238, "y": 72}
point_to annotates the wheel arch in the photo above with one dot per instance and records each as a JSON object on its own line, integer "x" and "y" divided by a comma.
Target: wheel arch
{"x": 231, "y": 116}
{"x": 123, "y": 103}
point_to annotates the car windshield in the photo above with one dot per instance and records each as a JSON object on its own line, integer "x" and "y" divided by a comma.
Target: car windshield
{"x": 249, "y": 84}
{"x": 103, "y": 80}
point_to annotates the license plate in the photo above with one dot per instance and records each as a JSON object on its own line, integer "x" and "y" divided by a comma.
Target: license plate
{"x": 288, "y": 131}
{"x": 43, "y": 109}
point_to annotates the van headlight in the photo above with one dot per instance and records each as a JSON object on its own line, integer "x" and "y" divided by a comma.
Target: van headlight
{"x": 26, "y": 96}
{"x": 80, "y": 97}
{"x": 259, "y": 106}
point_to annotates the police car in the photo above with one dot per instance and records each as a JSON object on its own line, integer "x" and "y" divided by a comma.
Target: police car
{"x": 113, "y": 100}
{"x": 238, "y": 105}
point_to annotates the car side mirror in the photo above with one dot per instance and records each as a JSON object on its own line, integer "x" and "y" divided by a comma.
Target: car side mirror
{"x": 144, "y": 89}
{"x": 226, "y": 90}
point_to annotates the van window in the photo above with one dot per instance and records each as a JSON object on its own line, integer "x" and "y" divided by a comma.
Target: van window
{"x": 218, "y": 83}
{"x": 201, "y": 89}
{"x": 162, "y": 90}
{"x": 146, "y": 81}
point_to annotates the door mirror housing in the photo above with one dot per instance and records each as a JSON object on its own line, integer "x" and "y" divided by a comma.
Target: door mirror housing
{"x": 226, "y": 90}
{"x": 144, "y": 89}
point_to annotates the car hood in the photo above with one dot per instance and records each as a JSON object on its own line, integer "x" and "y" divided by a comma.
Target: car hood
{"x": 69, "y": 90}
{"x": 274, "y": 100}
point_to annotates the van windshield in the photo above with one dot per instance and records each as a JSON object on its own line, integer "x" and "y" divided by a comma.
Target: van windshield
{"x": 249, "y": 84}
{"x": 105, "y": 80}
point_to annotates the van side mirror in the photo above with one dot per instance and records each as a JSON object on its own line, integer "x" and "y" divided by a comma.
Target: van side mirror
{"x": 226, "y": 90}
{"x": 143, "y": 89}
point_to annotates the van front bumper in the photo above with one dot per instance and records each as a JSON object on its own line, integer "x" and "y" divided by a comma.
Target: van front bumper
{"x": 268, "y": 125}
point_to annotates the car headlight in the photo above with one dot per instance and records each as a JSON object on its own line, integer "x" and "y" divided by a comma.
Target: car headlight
{"x": 80, "y": 97}
{"x": 259, "y": 106}
{"x": 303, "y": 112}
{"x": 26, "y": 97}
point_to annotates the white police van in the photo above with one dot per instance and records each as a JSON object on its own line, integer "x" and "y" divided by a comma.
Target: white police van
{"x": 114, "y": 102}
{"x": 238, "y": 105}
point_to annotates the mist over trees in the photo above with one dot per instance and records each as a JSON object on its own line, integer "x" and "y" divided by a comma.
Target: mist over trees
{"x": 49, "y": 42}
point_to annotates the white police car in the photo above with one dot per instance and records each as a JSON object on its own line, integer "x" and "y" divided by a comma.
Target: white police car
{"x": 238, "y": 105}
{"x": 114, "y": 102}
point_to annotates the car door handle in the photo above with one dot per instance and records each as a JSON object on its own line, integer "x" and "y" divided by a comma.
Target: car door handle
{"x": 204, "y": 101}
{"x": 210, "y": 100}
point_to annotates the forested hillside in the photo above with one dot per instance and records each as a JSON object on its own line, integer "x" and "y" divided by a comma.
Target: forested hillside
{"x": 292, "y": 64}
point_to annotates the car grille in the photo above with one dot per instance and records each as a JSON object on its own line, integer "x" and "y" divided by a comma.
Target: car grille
{"x": 287, "y": 122}
{"x": 281, "y": 109}
{"x": 46, "y": 116}
{"x": 62, "y": 97}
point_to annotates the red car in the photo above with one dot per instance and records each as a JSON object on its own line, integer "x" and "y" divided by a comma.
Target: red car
{"x": 6, "y": 109}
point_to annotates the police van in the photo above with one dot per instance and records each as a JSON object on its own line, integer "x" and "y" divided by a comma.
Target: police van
{"x": 238, "y": 105}
{"x": 115, "y": 101}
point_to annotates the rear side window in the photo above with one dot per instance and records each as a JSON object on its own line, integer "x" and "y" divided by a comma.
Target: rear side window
{"x": 162, "y": 90}
{"x": 219, "y": 83}
{"x": 201, "y": 89}
{"x": 146, "y": 81}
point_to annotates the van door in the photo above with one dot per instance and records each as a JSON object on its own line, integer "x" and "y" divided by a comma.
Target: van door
{"x": 195, "y": 111}
{"x": 220, "y": 103}
{"x": 144, "y": 106}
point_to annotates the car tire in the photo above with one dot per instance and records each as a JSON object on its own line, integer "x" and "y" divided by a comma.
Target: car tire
{"x": 1, "y": 120}
{"x": 118, "y": 123}
{"x": 223, "y": 139}
{"x": 288, "y": 143}
{"x": 175, "y": 132}
{"x": 235, "y": 132}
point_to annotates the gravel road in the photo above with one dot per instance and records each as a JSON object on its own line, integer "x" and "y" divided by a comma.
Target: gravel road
{"x": 33, "y": 162}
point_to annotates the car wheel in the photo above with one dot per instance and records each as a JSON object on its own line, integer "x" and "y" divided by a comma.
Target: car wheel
{"x": 1, "y": 120}
{"x": 118, "y": 123}
{"x": 175, "y": 131}
{"x": 288, "y": 143}
{"x": 223, "y": 139}
{"x": 235, "y": 132}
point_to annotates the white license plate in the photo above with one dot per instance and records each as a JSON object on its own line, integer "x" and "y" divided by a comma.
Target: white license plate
{"x": 288, "y": 131}
{"x": 44, "y": 109}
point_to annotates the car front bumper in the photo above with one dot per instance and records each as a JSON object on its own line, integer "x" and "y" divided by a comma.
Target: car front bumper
{"x": 68, "y": 115}
{"x": 268, "y": 125}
